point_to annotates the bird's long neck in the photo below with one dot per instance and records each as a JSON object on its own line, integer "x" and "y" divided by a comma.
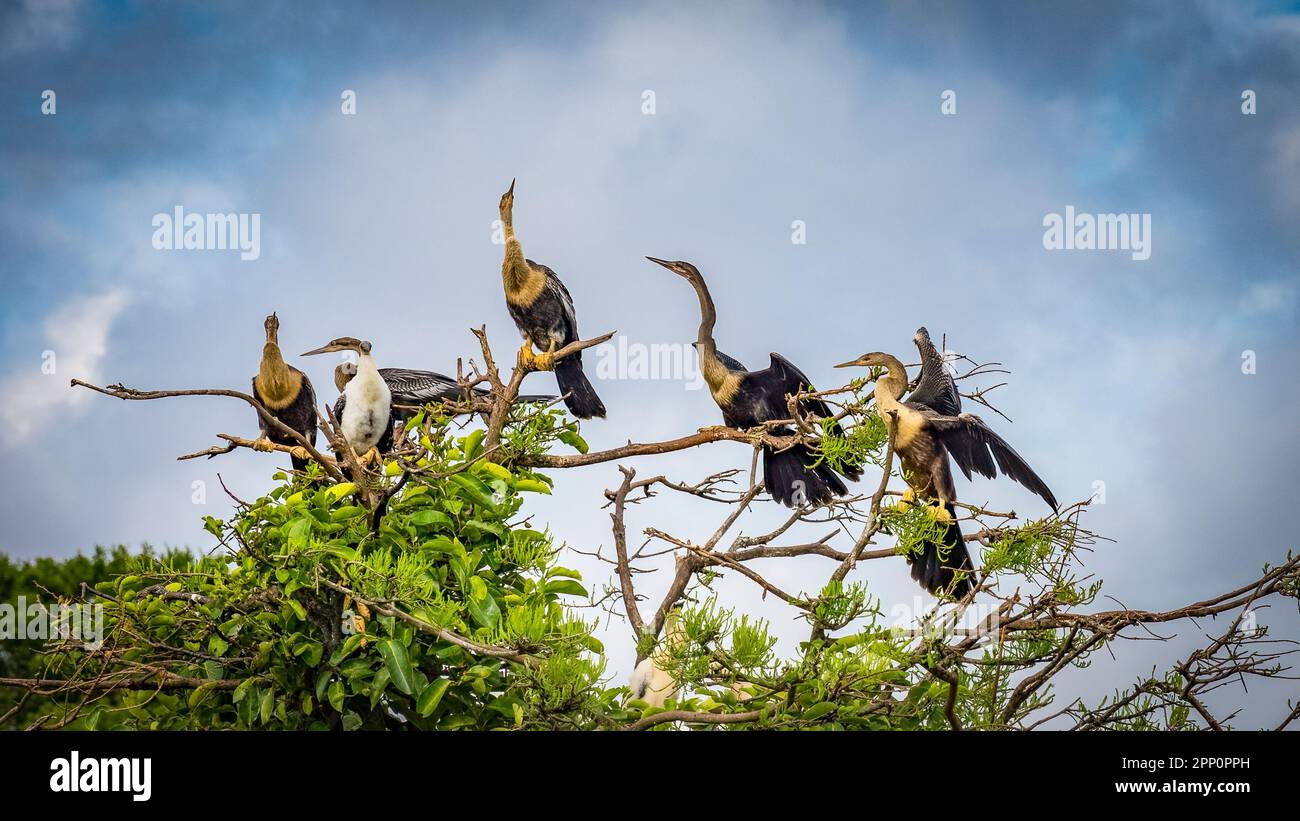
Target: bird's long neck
{"x": 522, "y": 283}
{"x": 367, "y": 373}
{"x": 889, "y": 388}
{"x": 715, "y": 373}
{"x": 367, "y": 389}
{"x": 276, "y": 381}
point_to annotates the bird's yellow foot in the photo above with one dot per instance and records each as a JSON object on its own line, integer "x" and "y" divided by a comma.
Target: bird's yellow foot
{"x": 299, "y": 452}
{"x": 371, "y": 455}
{"x": 905, "y": 500}
{"x": 263, "y": 444}
{"x": 939, "y": 512}
{"x": 545, "y": 361}
{"x": 526, "y": 358}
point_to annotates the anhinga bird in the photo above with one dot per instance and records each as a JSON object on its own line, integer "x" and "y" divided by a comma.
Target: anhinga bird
{"x": 364, "y": 409}
{"x": 543, "y": 311}
{"x": 412, "y": 390}
{"x": 651, "y": 683}
{"x": 750, "y": 398}
{"x": 286, "y": 392}
{"x": 927, "y": 429}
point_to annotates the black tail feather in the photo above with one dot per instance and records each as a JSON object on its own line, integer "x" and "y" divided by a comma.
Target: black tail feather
{"x": 580, "y": 397}
{"x": 936, "y": 567}
{"x": 793, "y": 483}
{"x": 299, "y": 464}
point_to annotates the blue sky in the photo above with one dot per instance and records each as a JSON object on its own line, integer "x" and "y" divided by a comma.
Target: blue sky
{"x": 378, "y": 225}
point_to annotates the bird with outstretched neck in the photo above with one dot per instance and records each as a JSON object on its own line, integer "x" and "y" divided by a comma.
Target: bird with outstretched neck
{"x": 364, "y": 409}
{"x": 412, "y": 389}
{"x": 287, "y": 394}
{"x": 927, "y": 429}
{"x": 750, "y": 398}
{"x": 543, "y": 311}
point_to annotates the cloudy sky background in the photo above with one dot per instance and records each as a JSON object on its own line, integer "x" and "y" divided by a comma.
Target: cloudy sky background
{"x": 379, "y": 225}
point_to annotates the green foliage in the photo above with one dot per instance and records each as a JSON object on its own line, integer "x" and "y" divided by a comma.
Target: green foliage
{"x": 860, "y": 443}
{"x": 438, "y": 614}
{"x": 45, "y": 581}
{"x": 425, "y": 599}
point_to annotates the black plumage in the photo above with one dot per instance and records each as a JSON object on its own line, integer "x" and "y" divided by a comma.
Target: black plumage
{"x": 935, "y": 387}
{"x": 413, "y": 389}
{"x": 748, "y": 398}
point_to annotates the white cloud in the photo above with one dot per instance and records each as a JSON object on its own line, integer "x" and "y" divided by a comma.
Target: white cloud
{"x": 39, "y": 25}
{"x": 76, "y": 336}
{"x": 1272, "y": 296}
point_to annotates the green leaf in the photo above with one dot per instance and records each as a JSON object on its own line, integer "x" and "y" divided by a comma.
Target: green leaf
{"x": 441, "y": 544}
{"x": 350, "y": 644}
{"x": 456, "y": 722}
{"x": 336, "y": 696}
{"x": 242, "y": 690}
{"x": 297, "y": 533}
{"x": 432, "y": 695}
{"x": 566, "y": 587}
{"x": 487, "y": 527}
{"x": 309, "y": 651}
{"x": 482, "y": 607}
{"x": 573, "y": 440}
{"x": 470, "y": 447}
{"x": 345, "y": 513}
{"x": 322, "y": 681}
{"x": 265, "y": 709}
{"x": 377, "y": 687}
{"x": 340, "y": 490}
{"x": 199, "y": 695}
{"x": 430, "y": 518}
{"x": 398, "y": 665}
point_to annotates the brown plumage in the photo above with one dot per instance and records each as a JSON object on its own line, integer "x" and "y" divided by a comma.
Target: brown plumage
{"x": 286, "y": 392}
{"x": 924, "y": 438}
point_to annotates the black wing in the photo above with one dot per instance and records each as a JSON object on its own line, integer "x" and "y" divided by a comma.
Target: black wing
{"x": 975, "y": 447}
{"x": 338, "y": 408}
{"x": 792, "y": 380}
{"x": 935, "y": 388}
{"x": 411, "y": 387}
{"x": 309, "y": 410}
{"x": 261, "y": 423}
{"x": 556, "y": 291}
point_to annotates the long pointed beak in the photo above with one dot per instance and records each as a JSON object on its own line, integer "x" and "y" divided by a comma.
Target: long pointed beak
{"x": 325, "y": 349}
{"x": 512, "y": 187}
{"x": 662, "y": 262}
{"x": 853, "y": 364}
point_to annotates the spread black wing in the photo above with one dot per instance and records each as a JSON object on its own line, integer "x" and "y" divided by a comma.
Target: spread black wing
{"x": 935, "y": 388}
{"x": 975, "y": 447}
